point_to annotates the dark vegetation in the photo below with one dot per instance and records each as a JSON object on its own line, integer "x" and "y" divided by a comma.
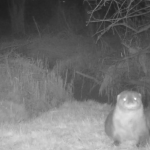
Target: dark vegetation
{"x": 89, "y": 49}
{"x": 130, "y": 21}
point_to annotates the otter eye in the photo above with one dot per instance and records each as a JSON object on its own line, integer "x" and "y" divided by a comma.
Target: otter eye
{"x": 124, "y": 99}
{"x": 135, "y": 98}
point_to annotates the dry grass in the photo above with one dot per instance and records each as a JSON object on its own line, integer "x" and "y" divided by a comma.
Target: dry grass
{"x": 73, "y": 126}
{"x": 11, "y": 112}
{"x": 62, "y": 52}
{"x": 26, "y": 82}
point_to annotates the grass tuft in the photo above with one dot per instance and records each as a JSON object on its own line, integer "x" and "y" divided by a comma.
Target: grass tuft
{"x": 27, "y": 82}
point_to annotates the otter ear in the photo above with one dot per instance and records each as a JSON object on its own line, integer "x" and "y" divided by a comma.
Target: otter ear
{"x": 118, "y": 96}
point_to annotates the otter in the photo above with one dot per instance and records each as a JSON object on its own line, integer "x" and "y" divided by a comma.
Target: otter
{"x": 147, "y": 114}
{"x": 127, "y": 121}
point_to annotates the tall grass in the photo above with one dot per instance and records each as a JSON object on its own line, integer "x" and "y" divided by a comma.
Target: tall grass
{"x": 28, "y": 83}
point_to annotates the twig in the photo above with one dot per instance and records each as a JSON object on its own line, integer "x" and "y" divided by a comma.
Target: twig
{"x": 37, "y": 27}
{"x": 89, "y": 77}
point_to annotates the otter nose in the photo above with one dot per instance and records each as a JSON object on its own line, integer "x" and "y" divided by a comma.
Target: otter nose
{"x": 132, "y": 99}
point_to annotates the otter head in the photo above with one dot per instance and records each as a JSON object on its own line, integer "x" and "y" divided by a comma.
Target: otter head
{"x": 129, "y": 100}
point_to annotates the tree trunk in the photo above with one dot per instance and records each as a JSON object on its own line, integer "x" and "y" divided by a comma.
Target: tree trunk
{"x": 16, "y": 10}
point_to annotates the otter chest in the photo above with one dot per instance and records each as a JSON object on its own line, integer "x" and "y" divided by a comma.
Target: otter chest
{"x": 127, "y": 124}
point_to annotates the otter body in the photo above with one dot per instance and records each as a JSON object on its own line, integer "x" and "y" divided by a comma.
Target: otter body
{"x": 127, "y": 120}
